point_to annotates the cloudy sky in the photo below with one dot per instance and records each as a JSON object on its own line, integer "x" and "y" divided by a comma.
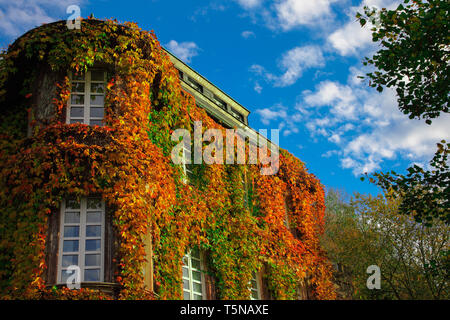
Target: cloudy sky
{"x": 292, "y": 63}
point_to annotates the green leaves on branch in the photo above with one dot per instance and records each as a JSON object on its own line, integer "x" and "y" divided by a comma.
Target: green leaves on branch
{"x": 414, "y": 55}
{"x": 425, "y": 193}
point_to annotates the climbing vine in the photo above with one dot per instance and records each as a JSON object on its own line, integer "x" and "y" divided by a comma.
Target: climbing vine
{"x": 232, "y": 212}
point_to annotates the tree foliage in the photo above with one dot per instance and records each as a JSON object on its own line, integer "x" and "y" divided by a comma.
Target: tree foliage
{"x": 414, "y": 55}
{"x": 425, "y": 193}
{"x": 413, "y": 258}
{"x": 414, "y": 59}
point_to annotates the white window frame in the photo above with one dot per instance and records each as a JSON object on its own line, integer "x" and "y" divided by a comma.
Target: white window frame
{"x": 87, "y": 97}
{"x": 190, "y": 278}
{"x": 255, "y": 280}
{"x": 187, "y": 154}
{"x": 82, "y": 240}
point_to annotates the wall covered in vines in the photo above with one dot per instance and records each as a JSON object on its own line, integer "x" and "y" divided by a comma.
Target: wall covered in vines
{"x": 128, "y": 162}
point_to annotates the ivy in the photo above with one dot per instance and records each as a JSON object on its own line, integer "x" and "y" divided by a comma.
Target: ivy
{"x": 128, "y": 162}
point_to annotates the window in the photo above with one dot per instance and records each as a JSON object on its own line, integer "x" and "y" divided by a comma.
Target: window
{"x": 220, "y": 102}
{"x": 87, "y": 98}
{"x": 286, "y": 214}
{"x": 236, "y": 114}
{"x": 193, "y": 283}
{"x": 254, "y": 288}
{"x": 187, "y": 166}
{"x": 180, "y": 74}
{"x": 82, "y": 239}
{"x": 194, "y": 84}
{"x": 245, "y": 186}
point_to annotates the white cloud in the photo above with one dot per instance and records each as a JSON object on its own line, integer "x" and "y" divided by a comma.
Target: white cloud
{"x": 296, "y": 60}
{"x": 249, "y": 4}
{"x": 272, "y": 114}
{"x": 18, "y": 16}
{"x": 286, "y": 15}
{"x": 183, "y": 50}
{"x": 329, "y": 153}
{"x": 257, "y": 87}
{"x": 367, "y": 126}
{"x": 348, "y": 45}
{"x": 335, "y": 138}
{"x": 247, "y": 34}
{"x": 340, "y": 97}
{"x": 293, "y": 13}
{"x": 287, "y": 123}
{"x": 292, "y": 63}
{"x": 351, "y": 37}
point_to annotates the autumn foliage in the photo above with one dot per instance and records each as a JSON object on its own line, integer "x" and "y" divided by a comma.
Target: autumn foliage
{"x": 127, "y": 161}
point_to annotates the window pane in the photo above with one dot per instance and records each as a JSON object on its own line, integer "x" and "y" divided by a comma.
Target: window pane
{"x": 236, "y": 114}
{"x": 92, "y": 260}
{"x": 66, "y": 274}
{"x": 97, "y": 100}
{"x": 93, "y": 231}
{"x": 79, "y": 76}
{"x": 78, "y": 87}
{"x": 70, "y": 246}
{"x": 97, "y": 87}
{"x": 255, "y": 295}
{"x": 197, "y": 287}
{"x": 77, "y": 112}
{"x": 194, "y": 84}
{"x": 96, "y": 122}
{"x": 93, "y": 245}
{"x": 195, "y": 253}
{"x": 73, "y": 204}
{"x": 97, "y": 75}
{"x": 97, "y": 112}
{"x": 76, "y": 120}
{"x": 69, "y": 260}
{"x": 197, "y": 275}
{"x": 220, "y": 102}
{"x": 195, "y": 264}
{"x": 186, "y": 295}
{"x": 185, "y": 272}
{"x": 186, "y": 284}
{"x": 197, "y": 297}
{"x": 77, "y": 99}
{"x": 94, "y": 217}
{"x": 185, "y": 260}
{"x": 71, "y": 232}
{"x": 92, "y": 275}
{"x": 94, "y": 203}
{"x": 72, "y": 217}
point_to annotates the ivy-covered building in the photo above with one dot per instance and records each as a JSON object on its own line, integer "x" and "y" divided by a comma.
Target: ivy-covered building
{"x": 86, "y": 180}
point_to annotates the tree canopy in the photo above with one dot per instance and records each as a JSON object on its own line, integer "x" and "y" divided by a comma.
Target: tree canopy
{"x": 414, "y": 55}
{"x": 413, "y": 258}
{"x": 414, "y": 59}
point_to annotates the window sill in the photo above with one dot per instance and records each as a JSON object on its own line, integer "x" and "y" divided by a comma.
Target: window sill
{"x": 106, "y": 287}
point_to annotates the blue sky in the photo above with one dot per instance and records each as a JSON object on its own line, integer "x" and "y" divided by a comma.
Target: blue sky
{"x": 292, "y": 63}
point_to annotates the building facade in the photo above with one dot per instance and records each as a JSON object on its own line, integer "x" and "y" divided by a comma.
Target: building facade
{"x": 91, "y": 196}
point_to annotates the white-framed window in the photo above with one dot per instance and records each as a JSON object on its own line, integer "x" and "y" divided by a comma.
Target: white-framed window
{"x": 255, "y": 290}
{"x": 81, "y": 239}
{"x": 87, "y": 98}
{"x": 187, "y": 160}
{"x": 193, "y": 279}
{"x": 219, "y": 102}
{"x": 236, "y": 114}
{"x": 194, "y": 84}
